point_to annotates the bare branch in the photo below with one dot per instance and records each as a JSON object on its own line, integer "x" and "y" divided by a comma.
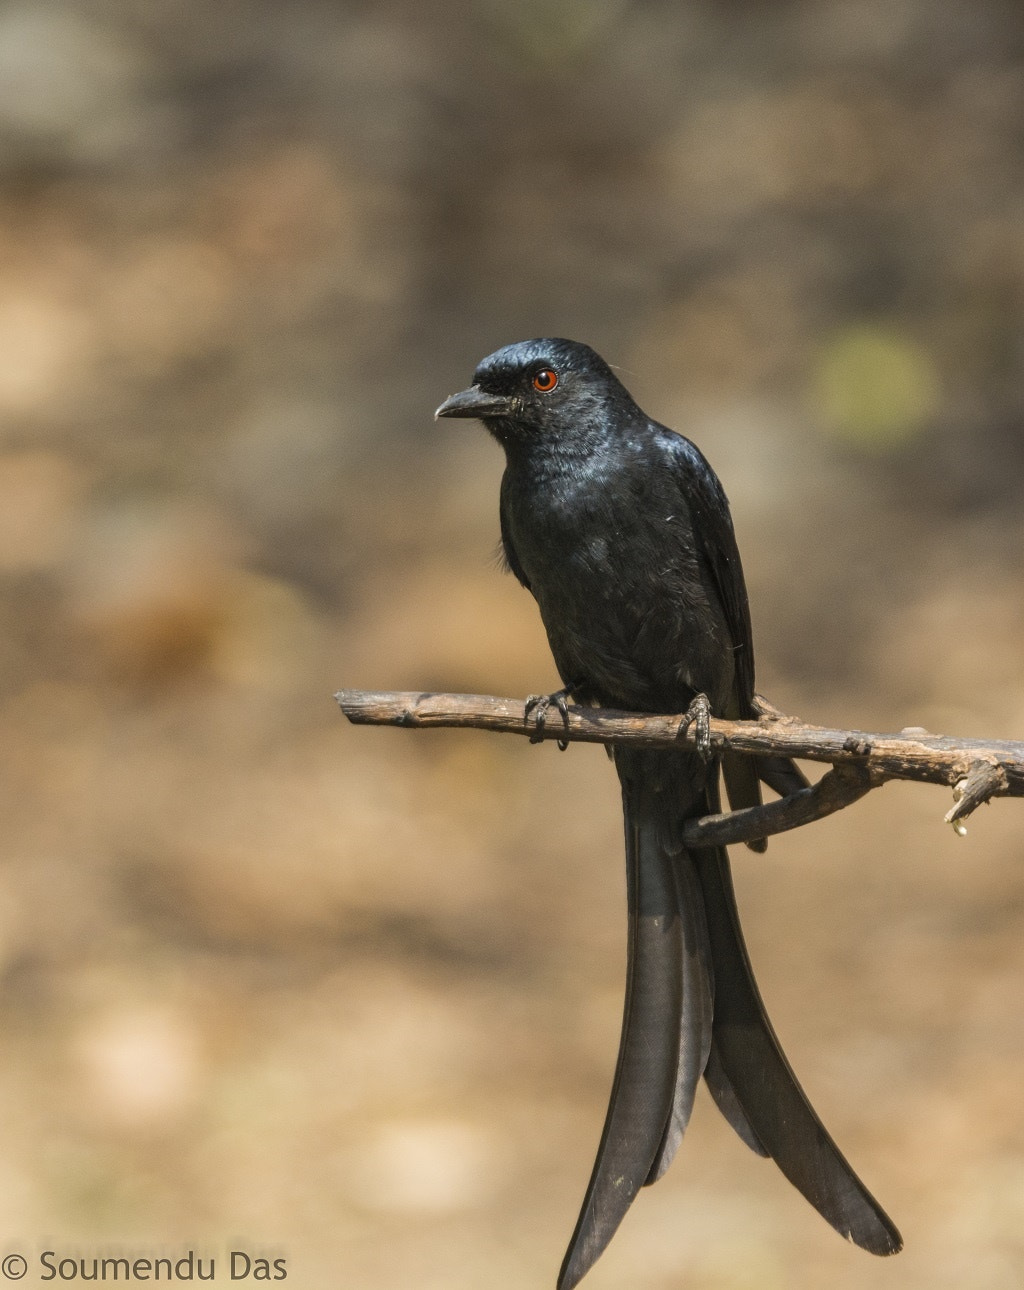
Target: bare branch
{"x": 842, "y": 786}
{"x": 976, "y": 769}
{"x": 985, "y": 778}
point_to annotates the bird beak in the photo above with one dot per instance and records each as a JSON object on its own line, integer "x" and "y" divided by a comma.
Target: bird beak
{"x": 476, "y": 402}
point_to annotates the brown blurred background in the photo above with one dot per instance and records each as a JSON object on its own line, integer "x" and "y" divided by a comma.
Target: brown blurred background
{"x": 353, "y": 996}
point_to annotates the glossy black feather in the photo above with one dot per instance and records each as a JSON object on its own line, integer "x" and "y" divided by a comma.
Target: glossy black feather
{"x": 621, "y": 531}
{"x": 638, "y": 1129}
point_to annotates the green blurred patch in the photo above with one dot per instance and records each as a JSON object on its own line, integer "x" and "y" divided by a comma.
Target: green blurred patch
{"x": 874, "y": 387}
{"x": 549, "y": 33}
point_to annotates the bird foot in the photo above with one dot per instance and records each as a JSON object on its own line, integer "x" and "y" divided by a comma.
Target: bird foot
{"x": 539, "y": 704}
{"x": 698, "y": 715}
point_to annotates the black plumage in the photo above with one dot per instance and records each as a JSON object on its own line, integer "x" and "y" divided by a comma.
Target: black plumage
{"x": 622, "y": 532}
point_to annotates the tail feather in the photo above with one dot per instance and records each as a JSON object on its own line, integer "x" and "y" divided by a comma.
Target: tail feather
{"x": 743, "y": 786}
{"x": 728, "y": 1103}
{"x": 696, "y": 1012}
{"x": 758, "y": 1077}
{"x": 781, "y": 774}
{"x": 692, "y": 1007}
{"x": 666, "y": 1026}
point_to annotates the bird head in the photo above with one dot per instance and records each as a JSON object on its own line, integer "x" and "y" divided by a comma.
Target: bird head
{"x": 539, "y": 387}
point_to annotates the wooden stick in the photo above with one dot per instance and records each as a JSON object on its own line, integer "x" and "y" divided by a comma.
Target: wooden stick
{"x": 977, "y": 769}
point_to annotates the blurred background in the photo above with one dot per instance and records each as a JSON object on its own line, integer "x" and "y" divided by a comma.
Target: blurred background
{"x": 353, "y": 996}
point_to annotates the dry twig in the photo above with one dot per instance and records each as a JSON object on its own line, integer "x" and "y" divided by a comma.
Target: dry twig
{"x": 975, "y": 769}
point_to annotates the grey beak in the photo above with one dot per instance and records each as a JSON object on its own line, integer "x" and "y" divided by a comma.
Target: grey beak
{"x": 476, "y": 402}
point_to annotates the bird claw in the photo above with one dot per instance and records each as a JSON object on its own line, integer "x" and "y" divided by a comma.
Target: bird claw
{"x": 698, "y": 714}
{"x": 539, "y": 705}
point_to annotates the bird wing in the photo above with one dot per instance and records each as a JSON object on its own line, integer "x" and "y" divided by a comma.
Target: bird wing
{"x": 512, "y": 563}
{"x": 718, "y": 553}
{"x": 702, "y": 492}
{"x": 712, "y": 526}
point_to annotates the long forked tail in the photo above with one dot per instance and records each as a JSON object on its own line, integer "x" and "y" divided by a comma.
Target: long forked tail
{"x": 692, "y": 1007}
{"x": 755, "y": 1088}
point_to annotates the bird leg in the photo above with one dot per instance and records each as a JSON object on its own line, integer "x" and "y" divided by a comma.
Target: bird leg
{"x": 539, "y": 705}
{"x": 698, "y": 715}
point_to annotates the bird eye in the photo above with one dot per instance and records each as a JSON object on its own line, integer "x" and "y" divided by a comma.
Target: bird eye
{"x": 545, "y": 380}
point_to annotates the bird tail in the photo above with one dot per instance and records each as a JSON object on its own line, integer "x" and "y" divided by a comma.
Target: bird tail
{"x": 755, "y": 1088}
{"x": 666, "y": 1024}
{"x": 692, "y": 1008}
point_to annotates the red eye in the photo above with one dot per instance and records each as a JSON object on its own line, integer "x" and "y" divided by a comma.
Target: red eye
{"x": 545, "y": 380}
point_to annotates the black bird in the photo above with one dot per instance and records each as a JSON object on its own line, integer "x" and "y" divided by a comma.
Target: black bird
{"x": 621, "y": 531}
